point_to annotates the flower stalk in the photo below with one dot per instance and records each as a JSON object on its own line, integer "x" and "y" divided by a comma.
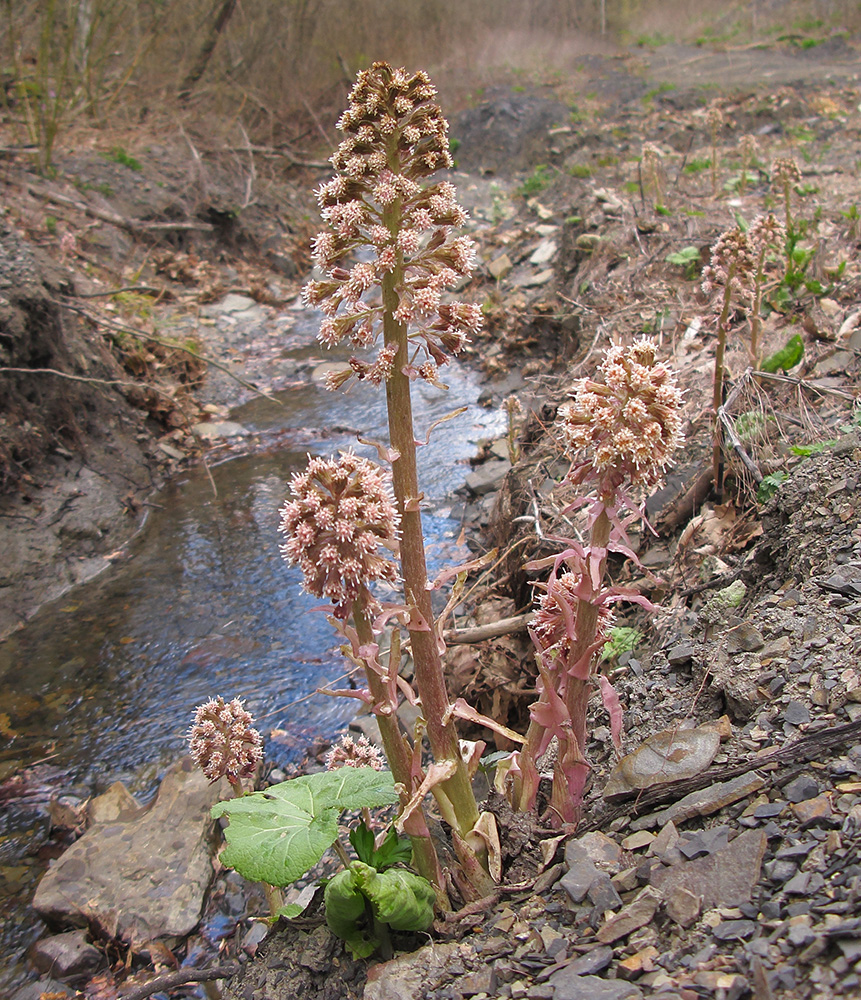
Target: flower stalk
{"x": 628, "y": 425}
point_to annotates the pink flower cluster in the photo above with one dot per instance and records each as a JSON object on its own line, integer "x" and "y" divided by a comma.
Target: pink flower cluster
{"x": 395, "y": 136}
{"x": 553, "y": 625}
{"x": 630, "y": 424}
{"x": 222, "y": 741}
{"x": 348, "y": 752}
{"x": 341, "y": 512}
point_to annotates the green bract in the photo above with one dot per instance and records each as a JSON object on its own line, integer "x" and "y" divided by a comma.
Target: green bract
{"x": 276, "y": 835}
{"x": 402, "y": 900}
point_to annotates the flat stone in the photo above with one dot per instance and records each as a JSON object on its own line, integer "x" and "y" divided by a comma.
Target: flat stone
{"x": 115, "y": 803}
{"x": 744, "y": 638}
{"x": 403, "y": 977}
{"x": 567, "y": 986}
{"x": 802, "y": 788}
{"x": 499, "y": 267}
{"x": 603, "y": 894}
{"x": 813, "y": 809}
{"x": 600, "y": 848}
{"x": 796, "y": 714}
{"x": 595, "y": 960}
{"x": 636, "y": 914}
{"x": 668, "y": 756}
{"x": 65, "y": 956}
{"x": 703, "y": 802}
{"x": 734, "y": 930}
{"x": 682, "y": 905}
{"x": 579, "y": 878}
{"x": 145, "y": 878}
{"x": 536, "y": 280}
{"x": 544, "y": 252}
{"x": 209, "y": 430}
{"x": 725, "y": 878}
{"x": 642, "y": 838}
{"x": 487, "y": 477}
{"x": 681, "y": 654}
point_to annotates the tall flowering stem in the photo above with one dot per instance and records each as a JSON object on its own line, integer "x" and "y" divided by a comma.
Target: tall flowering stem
{"x": 733, "y": 267}
{"x": 379, "y": 202}
{"x": 341, "y": 527}
{"x": 628, "y": 424}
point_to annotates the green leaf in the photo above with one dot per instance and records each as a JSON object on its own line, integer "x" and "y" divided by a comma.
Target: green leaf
{"x": 400, "y": 898}
{"x": 276, "y": 835}
{"x": 770, "y": 485}
{"x": 362, "y": 839}
{"x": 683, "y": 257}
{"x": 394, "y": 850}
{"x": 787, "y": 357}
{"x": 345, "y": 910}
{"x": 290, "y": 910}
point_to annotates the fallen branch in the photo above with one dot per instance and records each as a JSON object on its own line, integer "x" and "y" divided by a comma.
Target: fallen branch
{"x": 805, "y": 749}
{"x": 493, "y": 630}
{"x": 122, "y": 328}
{"x": 134, "y": 226}
{"x": 179, "y": 977}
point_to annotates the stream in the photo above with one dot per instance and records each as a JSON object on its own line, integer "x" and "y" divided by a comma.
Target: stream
{"x": 101, "y": 685}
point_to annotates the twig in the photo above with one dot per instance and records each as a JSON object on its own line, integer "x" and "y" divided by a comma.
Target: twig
{"x": 122, "y": 328}
{"x": 179, "y": 977}
{"x": 132, "y": 225}
{"x": 116, "y": 291}
{"x": 493, "y": 630}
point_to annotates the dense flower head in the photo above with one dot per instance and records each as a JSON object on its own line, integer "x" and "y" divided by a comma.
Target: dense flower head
{"x": 340, "y": 513}
{"x": 222, "y": 741}
{"x": 360, "y": 752}
{"x": 553, "y": 622}
{"x": 714, "y": 119}
{"x": 395, "y": 137}
{"x": 785, "y": 171}
{"x": 733, "y": 264}
{"x": 628, "y": 425}
{"x": 766, "y": 231}
{"x": 747, "y": 146}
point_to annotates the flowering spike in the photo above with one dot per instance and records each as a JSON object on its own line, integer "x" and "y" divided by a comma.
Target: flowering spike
{"x": 348, "y": 752}
{"x": 395, "y": 136}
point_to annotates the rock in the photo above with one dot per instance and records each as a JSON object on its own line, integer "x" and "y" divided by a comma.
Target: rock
{"x": 544, "y": 252}
{"x": 211, "y": 429}
{"x": 796, "y": 713}
{"x": 567, "y": 986}
{"x": 668, "y": 756}
{"x": 734, "y": 930}
{"x": 725, "y": 878}
{"x": 681, "y": 654}
{"x": 487, "y": 477}
{"x": 404, "y": 977}
{"x": 115, "y": 803}
{"x": 636, "y": 914}
{"x": 704, "y": 802}
{"x": 744, "y": 638}
{"x": 145, "y": 878}
{"x": 65, "y": 956}
{"x": 810, "y": 810}
{"x": 801, "y": 789}
{"x": 603, "y": 894}
{"x": 594, "y": 960}
{"x": 52, "y": 988}
{"x": 499, "y": 267}
{"x": 682, "y": 905}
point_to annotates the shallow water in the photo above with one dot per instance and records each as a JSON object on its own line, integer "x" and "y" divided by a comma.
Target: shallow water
{"x": 101, "y": 685}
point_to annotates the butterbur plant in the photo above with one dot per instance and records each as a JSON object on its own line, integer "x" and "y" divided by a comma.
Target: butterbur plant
{"x": 622, "y": 429}
{"x": 388, "y": 256}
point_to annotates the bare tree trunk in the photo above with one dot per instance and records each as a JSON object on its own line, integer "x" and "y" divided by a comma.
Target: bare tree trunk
{"x": 206, "y": 50}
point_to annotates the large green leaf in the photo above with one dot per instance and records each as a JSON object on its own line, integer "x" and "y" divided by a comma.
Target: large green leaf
{"x": 276, "y": 835}
{"x": 401, "y": 899}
